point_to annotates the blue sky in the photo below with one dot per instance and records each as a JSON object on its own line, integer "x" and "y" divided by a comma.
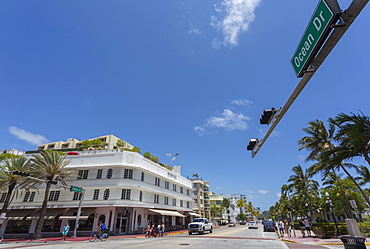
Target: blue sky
{"x": 189, "y": 77}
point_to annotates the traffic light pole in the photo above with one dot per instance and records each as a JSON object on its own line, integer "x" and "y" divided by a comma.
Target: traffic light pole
{"x": 347, "y": 17}
{"x": 78, "y": 213}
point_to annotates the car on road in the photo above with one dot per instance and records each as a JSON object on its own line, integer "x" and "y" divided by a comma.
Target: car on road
{"x": 200, "y": 225}
{"x": 232, "y": 224}
{"x": 269, "y": 226}
{"x": 242, "y": 223}
{"x": 252, "y": 225}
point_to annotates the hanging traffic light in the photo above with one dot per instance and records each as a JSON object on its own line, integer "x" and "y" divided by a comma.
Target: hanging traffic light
{"x": 20, "y": 173}
{"x": 52, "y": 182}
{"x": 267, "y": 116}
{"x": 252, "y": 143}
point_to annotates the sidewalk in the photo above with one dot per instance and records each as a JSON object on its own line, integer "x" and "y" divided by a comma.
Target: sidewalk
{"x": 313, "y": 240}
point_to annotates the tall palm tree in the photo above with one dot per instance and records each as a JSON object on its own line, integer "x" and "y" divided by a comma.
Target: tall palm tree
{"x": 50, "y": 166}
{"x": 11, "y": 182}
{"x": 364, "y": 175}
{"x": 226, "y": 204}
{"x": 318, "y": 142}
{"x": 303, "y": 186}
{"x": 215, "y": 210}
{"x": 240, "y": 204}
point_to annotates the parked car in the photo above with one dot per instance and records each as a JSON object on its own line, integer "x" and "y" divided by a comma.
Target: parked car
{"x": 252, "y": 225}
{"x": 242, "y": 223}
{"x": 232, "y": 224}
{"x": 269, "y": 226}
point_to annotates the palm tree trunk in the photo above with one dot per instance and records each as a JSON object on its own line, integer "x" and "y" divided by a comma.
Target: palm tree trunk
{"x": 7, "y": 198}
{"x": 358, "y": 186}
{"x": 40, "y": 224}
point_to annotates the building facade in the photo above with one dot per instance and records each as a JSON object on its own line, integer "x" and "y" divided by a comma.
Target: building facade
{"x": 201, "y": 201}
{"x": 109, "y": 143}
{"x": 122, "y": 189}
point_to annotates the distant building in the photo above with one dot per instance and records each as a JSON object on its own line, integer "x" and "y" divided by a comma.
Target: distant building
{"x": 109, "y": 143}
{"x": 14, "y": 152}
{"x": 201, "y": 193}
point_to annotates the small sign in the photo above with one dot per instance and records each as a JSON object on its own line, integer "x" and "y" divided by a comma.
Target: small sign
{"x": 76, "y": 189}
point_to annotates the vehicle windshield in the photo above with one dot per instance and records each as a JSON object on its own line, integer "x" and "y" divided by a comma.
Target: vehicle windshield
{"x": 198, "y": 220}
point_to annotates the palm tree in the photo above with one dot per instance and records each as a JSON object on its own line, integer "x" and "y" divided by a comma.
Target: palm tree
{"x": 353, "y": 135}
{"x": 303, "y": 186}
{"x": 364, "y": 175}
{"x": 240, "y": 204}
{"x": 12, "y": 182}
{"x": 226, "y": 204}
{"x": 50, "y": 166}
{"x": 318, "y": 142}
{"x": 215, "y": 210}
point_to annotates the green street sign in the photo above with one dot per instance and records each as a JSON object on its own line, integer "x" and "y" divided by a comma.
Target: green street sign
{"x": 76, "y": 189}
{"x": 327, "y": 13}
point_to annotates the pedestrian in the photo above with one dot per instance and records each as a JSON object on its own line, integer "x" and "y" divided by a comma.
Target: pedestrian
{"x": 286, "y": 226}
{"x": 281, "y": 228}
{"x": 152, "y": 232}
{"x": 158, "y": 229}
{"x": 162, "y": 230}
{"x": 65, "y": 231}
{"x": 289, "y": 231}
{"x": 302, "y": 228}
{"x": 147, "y": 231}
{"x": 307, "y": 225}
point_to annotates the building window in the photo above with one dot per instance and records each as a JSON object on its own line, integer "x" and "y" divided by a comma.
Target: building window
{"x": 173, "y": 202}
{"x": 156, "y": 198}
{"x": 29, "y": 196}
{"x": 174, "y": 187}
{"x": 26, "y": 196}
{"x": 109, "y": 173}
{"x": 98, "y": 175}
{"x": 96, "y": 194}
{"x": 32, "y": 196}
{"x": 188, "y": 204}
{"x": 82, "y": 174}
{"x": 128, "y": 174}
{"x": 77, "y": 196}
{"x": 106, "y": 194}
{"x": 181, "y": 203}
{"x": 195, "y": 192}
{"x": 165, "y": 200}
{"x": 126, "y": 194}
{"x": 142, "y": 176}
{"x": 141, "y": 196}
{"x": 195, "y": 201}
{"x": 157, "y": 181}
{"x": 54, "y": 195}
{"x": 187, "y": 192}
{"x": 181, "y": 190}
{"x": 195, "y": 185}
{"x": 167, "y": 185}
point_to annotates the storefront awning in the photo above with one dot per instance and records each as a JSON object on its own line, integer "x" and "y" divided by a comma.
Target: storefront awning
{"x": 67, "y": 217}
{"x": 166, "y": 212}
{"x": 195, "y": 214}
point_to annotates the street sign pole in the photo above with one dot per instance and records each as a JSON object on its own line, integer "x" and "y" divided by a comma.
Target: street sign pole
{"x": 78, "y": 212}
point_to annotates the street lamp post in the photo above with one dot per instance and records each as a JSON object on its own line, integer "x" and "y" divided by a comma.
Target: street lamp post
{"x": 332, "y": 212}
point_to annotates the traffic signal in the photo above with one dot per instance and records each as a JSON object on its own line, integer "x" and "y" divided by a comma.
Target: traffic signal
{"x": 267, "y": 116}
{"x": 252, "y": 143}
{"x": 52, "y": 182}
{"x": 20, "y": 173}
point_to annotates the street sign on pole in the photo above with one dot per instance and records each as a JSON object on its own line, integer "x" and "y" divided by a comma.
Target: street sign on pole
{"x": 76, "y": 189}
{"x": 327, "y": 13}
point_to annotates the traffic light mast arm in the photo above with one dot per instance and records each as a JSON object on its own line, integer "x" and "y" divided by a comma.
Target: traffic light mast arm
{"x": 348, "y": 18}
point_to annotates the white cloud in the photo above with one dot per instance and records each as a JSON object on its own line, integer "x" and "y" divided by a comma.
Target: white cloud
{"x": 239, "y": 16}
{"x": 278, "y": 195}
{"x": 241, "y": 102}
{"x": 248, "y": 191}
{"x": 263, "y": 191}
{"x": 194, "y": 31}
{"x": 35, "y": 139}
{"x": 200, "y": 130}
{"x": 229, "y": 121}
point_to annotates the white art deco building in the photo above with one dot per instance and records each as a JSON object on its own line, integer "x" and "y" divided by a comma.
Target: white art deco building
{"x": 123, "y": 189}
